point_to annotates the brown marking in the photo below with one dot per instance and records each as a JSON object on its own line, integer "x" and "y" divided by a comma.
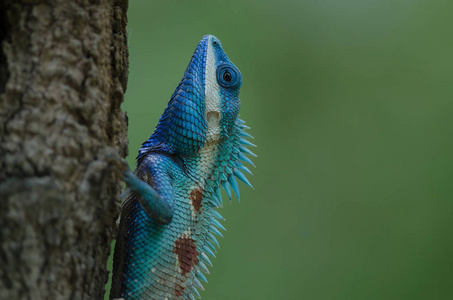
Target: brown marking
{"x": 187, "y": 254}
{"x": 179, "y": 290}
{"x": 196, "y": 196}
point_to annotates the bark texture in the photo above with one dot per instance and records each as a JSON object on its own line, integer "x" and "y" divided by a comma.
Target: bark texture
{"x": 63, "y": 73}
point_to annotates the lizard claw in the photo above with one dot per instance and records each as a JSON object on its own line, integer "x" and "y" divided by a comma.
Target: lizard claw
{"x": 119, "y": 167}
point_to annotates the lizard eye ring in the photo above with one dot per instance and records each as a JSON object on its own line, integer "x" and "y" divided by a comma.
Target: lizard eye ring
{"x": 228, "y": 76}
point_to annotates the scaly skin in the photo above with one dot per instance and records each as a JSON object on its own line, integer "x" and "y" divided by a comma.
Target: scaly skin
{"x": 168, "y": 221}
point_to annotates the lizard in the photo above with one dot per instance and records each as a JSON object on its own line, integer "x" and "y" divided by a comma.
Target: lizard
{"x": 169, "y": 217}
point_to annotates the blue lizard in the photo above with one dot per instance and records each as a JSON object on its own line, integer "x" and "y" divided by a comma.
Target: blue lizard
{"x": 169, "y": 218}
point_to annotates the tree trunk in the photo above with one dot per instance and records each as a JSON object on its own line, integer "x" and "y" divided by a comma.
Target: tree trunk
{"x": 63, "y": 73}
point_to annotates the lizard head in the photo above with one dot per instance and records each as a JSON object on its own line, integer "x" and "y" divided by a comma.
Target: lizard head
{"x": 205, "y": 105}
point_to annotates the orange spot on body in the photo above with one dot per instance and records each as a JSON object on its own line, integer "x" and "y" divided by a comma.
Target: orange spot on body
{"x": 196, "y": 196}
{"x": 187, "y": 253}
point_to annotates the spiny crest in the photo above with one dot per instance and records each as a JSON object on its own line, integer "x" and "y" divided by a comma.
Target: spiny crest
{"x": 233, "y": 152}
{"x": 229, "y": 166}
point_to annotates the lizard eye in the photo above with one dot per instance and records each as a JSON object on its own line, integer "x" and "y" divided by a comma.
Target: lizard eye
{"x": 228, "y": 76}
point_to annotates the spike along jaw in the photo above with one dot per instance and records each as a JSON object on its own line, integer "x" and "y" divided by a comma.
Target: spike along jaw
{"x": 225, "y": 131}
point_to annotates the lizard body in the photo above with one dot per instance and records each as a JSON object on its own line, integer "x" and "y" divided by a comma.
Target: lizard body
{"x": 169, "y": 218}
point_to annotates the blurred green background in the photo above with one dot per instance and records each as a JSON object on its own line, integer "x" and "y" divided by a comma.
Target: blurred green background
{"x": 351, "y": 105}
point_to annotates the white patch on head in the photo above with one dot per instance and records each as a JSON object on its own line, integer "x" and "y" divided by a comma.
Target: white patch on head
{"x": 212, "y": 99}
{"x": 208, "y": 153}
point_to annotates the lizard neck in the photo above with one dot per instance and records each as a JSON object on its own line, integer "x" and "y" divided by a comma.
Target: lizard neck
{"x": 202, "y": 166}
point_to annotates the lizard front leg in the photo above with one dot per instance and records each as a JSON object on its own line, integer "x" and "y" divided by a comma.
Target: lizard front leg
{"x": 153, "y": 188}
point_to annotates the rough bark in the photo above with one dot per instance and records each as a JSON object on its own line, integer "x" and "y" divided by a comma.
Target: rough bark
{"x": 63, "y": 73}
